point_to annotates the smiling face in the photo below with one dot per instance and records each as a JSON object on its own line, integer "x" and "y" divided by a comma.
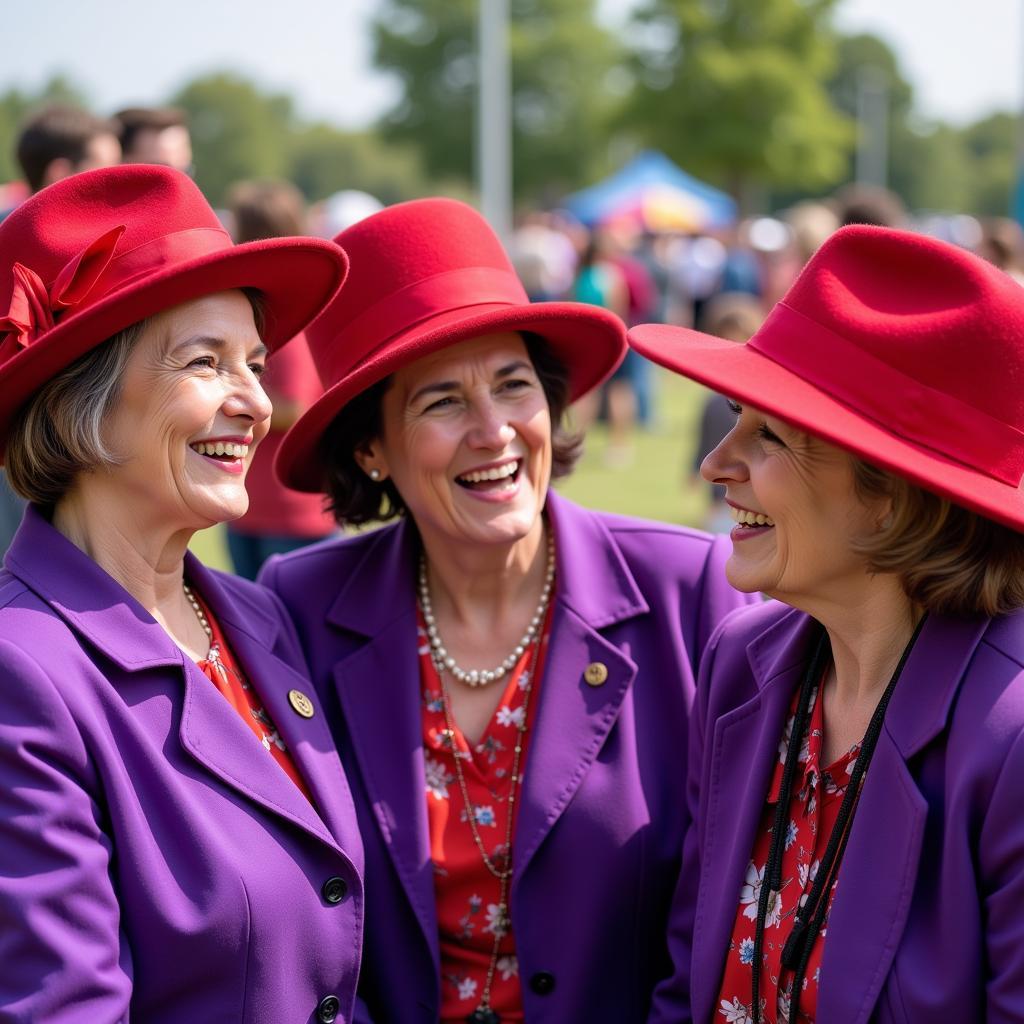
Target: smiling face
{"x": 466, "y": 440}
{"x": 796, "y": 510}
{"x": 190, "y": 413}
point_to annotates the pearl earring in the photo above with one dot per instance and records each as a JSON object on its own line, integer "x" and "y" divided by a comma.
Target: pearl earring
{"x": 375, "y": 475}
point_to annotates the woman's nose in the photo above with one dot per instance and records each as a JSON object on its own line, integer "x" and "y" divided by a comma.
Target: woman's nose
{"x": 724, "y": 464}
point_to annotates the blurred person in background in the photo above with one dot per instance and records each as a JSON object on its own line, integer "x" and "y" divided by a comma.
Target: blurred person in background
{"x": 177, "y": 842}
{"x": 54, "y": 143}
{"x": 543, "y": 256}
{"x": 857, "y": 751}
{"x": 61, "y": 140}
{"x": 1002, "y": 244}
{"x": 600, "y": 281}
{"x": 642, "y": 306}
{"x": 734, "y": 316}
{"x": 279, "y": 519}
{"x": 811, "y": 223}
{"x": 508, "y": 674}
{"x": 155, "y": 135}
{"x": 856, "y": 203}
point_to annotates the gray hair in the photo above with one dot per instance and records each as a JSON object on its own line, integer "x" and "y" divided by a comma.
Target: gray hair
{"x": 59, "y": 433}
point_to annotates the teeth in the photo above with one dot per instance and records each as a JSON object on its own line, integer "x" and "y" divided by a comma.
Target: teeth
{"x": 745, "y": 518}
{"x": 235, "y": 451}
{"x": 497, "y": 473}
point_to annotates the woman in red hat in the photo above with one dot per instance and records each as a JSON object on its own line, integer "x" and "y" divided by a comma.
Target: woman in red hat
{"x": 857, "y": 750}
{"x": 509, "y": 675}
{"x": 176, "y": 839}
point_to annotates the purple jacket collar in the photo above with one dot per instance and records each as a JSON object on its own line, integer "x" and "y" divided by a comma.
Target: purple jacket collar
{"x": 378, "y": 686}
{"x": 109, "y": 620}
{"x": 881, "y": 861}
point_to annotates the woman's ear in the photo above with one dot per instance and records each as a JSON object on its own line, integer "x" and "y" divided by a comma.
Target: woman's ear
{"x": 370, "y": 459}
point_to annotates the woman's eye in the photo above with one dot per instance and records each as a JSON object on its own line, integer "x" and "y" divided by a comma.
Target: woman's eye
{"x": 207, "y": 361}
{"x": 734, "y": 407}
{"x": 258, "y": 369}
{"x": 765, "y": 431}
{"x": 441, "y": 403}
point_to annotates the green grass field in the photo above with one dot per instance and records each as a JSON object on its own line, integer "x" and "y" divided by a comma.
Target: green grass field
{"x": 655, "y": 485}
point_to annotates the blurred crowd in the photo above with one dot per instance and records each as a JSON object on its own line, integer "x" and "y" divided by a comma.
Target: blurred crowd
{"x": 718, "y": 279}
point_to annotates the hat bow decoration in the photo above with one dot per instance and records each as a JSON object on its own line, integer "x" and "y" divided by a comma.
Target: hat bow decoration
{"x": 34, "y": 307}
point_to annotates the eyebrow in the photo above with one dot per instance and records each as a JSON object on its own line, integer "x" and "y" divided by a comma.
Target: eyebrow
{"x": 444, "y": 387}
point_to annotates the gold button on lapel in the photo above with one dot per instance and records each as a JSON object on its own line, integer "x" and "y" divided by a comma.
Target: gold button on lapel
{"x": 596, "y": 673}
{"x": 300, "y": 703}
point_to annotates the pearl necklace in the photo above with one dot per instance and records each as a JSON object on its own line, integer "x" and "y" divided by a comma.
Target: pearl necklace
{"x": 481, "y": 677}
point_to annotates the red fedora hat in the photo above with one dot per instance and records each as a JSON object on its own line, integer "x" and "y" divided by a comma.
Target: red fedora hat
{"x": 425, "y": 275}
{"x": 902, "y": 349}
{"x": 97, "y": 252}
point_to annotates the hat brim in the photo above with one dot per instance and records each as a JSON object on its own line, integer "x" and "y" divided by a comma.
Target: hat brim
{"x": 295, "y": 277}
{"x": 588, "y": 340}
{"x": 744, "y": 374}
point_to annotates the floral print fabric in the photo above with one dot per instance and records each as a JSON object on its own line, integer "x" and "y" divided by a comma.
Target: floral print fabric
{"x": 220, "y": 667}
{"x": 468, "y": 895}
{"x": 814, "y": 807}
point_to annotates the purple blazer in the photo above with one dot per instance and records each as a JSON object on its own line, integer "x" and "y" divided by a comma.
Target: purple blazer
{"x": 155, "y": 862}
{"x": 602, "y": 813}
{"x": 928, "y": 918}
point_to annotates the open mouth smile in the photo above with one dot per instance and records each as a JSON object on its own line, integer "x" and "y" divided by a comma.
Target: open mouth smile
{"x": 228, "y": 455}
{"x": 492, "y": 480}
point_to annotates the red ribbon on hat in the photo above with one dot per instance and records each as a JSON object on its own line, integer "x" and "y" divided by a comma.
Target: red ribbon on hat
{"x": 34, "y": 307}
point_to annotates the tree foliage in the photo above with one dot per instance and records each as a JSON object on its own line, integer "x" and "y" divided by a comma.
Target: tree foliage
{"x": 562, "y": 62}
{"x": 735, "y": 91}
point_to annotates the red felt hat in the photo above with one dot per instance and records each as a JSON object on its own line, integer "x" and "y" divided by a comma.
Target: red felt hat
{"x": 97, "y": 252}
{"x": 425, "y": 275}
{"x": 902, "y": 349}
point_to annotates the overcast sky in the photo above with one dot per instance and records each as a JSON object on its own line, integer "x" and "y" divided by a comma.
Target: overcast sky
{"x": 964, "y": 57}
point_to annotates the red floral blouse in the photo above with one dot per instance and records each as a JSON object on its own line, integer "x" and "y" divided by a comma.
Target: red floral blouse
{"x": 814, "y": 808}
{"x": 468, "y": 895}
{"x": 220, "y": 667}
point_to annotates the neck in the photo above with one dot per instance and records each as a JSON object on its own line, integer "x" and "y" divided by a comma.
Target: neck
{"x": 144, "y": 557}
{"x": 477, "y": 585}
{"x": 868, "y": 634}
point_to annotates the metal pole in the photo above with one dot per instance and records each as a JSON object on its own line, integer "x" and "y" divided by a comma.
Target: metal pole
{"x": 872, "y": 127}
{"x": 494, "y": 116}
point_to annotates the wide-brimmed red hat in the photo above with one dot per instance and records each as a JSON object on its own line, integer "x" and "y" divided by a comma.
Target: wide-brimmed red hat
{"x": 903, "y": 349}
{"x": 97, "y": 252}
{"x": 425, "y": 275}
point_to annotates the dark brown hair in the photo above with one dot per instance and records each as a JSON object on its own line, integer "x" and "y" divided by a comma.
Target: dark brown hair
{"x": 354, "y": 498}
{"x": 56, "y": 132}
{"x": 948, "y": 559}
{"x": 266, "y": 209}
{"x": 132, "y": 121}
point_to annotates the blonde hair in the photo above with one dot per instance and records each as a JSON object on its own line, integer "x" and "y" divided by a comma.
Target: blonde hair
{"x": 948, "y": 559}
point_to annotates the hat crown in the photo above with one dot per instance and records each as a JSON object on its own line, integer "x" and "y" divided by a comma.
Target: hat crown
{"x": 56, "y": 225}
{"x": 410, "y": 263}
{"x": 938, "y": 315}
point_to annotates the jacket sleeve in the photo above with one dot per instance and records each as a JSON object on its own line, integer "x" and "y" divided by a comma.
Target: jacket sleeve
{"x": 670, "y": 1003}
{"x": 718, "y": 597}
{"x": 62, "y": 955}
{"x": 1001, "y": 865}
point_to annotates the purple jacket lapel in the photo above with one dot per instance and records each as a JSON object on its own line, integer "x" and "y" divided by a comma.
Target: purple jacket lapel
{"x": 594, "y": 590}
{"x": 743, "y": 750}
{"x": 251, "y": 634}
{"x": 378, "y": 688}
{"x": 110, "y": 620}
{"x": 877, "y": 876}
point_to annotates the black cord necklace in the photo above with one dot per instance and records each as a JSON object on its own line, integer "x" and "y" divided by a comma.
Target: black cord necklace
{"x": 810, "y": 918}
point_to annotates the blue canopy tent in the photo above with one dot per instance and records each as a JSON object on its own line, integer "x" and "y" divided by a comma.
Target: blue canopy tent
{"x": 654, "y": 191}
